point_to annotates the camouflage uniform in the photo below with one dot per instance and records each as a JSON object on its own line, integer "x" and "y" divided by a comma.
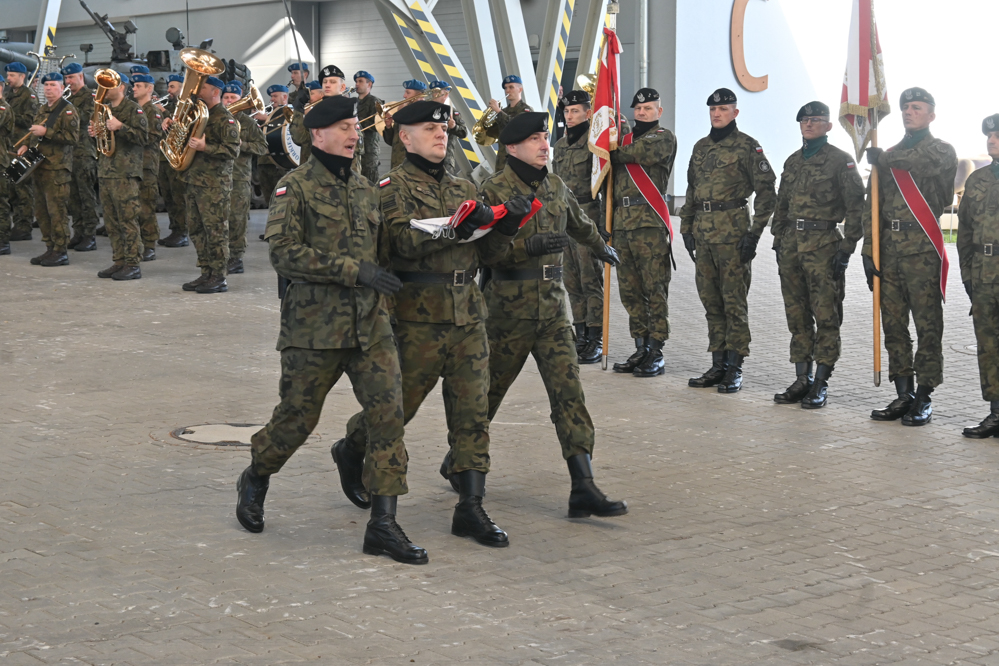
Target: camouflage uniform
{"x": 910, "y": 267}
{"x": 149, "y": 228}
{"x": 209, "y": 184}
{"x": 502, "y": 119}
{"x": 172, "y": 188}
{"x": 6, "y": 130}
{"x": 24, "y": 104}
{"x": 268, "y": 171}
{"x": 372, "y": 145}
{"x": 816, "y": 193}
{"x": 53, "y": 175}
{"x": 120, "y": 178}
{"x": 721, "y": 173}
{"x": 391, "y": 137}
{"x": 300, "y": 135}
{"x": 251, "y": 142}
{"x": 83, "y": 186}
{"x": 454, "y": 149}
{"x": 640, "y": 235}
{"x": 320, "y": 230}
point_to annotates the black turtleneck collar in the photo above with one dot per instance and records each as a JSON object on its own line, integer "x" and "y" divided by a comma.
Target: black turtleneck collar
{"x": 717, "y": 134}
{"x": 335, "y": 164}
{"x": 572, "y": 134}
{"x": 433, "y": 169}
{"x": 532, "y": 177}
{"x": 643, "y": 127}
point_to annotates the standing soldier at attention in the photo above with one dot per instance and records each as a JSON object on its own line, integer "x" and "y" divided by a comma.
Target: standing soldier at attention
{"x": 819, "y": 188}
{"x": 209, "y": 185}
{"x": 726, "y": 167}
{"x": 298, "y": 89}
{"x": 410, "y": 89}
{"x": 6, "y": 139}
{"x": 978, "y": 246}
{"x": 23, "y": 102}
{"x": 299, "y": 132}
{"x": 171, "y": 186}
{"x": 83, "y": 186}
{"x": 513, "y": 86}
{"x": 456, "y": 129}
{"x": 251, "y": 142}
{"x": 120, "y": 176}
{"x": 643, "y": 233}
{"x": 916, "y": 182}
{"x": 366, "y": 107}
{"x": 56, "y": 130}
{"x": 268, "y": 171}
{"x": 149, "y": 228}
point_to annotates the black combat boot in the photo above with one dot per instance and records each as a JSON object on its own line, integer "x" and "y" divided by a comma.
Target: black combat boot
{"x": 585, "y": 499}
{"x": 175, "y": 239}
{"x": 816, "y": 397}
{"x": 216, "y": 284}
{"x": 4, "y": 248}
{"x": 719, "y": 364}
{"x": 987, "y": 428}
{"x": 56, "y": 258}
{"x": 350, "y": 464}
{"x": 86, "y": 244}
{"x": 581, "y": 338}
{"x": 905, "y": 387}
{"x": 796, "y": 391}
{"x": 149, "y": 253}
{"x": 110, "y": 270}
{"x": 594, "y": 347}
{"x": 385, "y": 537}
{"x": 635, "y": 360}
{"x": 732, "y": 381}
{"x": 235, "y": 266}
{"x": 128, "y": 273}
{"x": 197, "y": 282}
{"x": 653, "y": 364}
{"x": 470, "y": 519}
{"x": 451, "y": 478}
{"x": 75, "y": 240}
{"x": 20, "y": 234}
{"x": 36, "y": 261}
{"x": 101, "y": 231}
{"x": 921, "y": 411}
{"x": 251, "y": 490}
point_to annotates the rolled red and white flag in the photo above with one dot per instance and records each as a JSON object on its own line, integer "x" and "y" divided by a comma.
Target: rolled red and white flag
{"x": 865, "y": 94}
{"x": 604, "y": 128}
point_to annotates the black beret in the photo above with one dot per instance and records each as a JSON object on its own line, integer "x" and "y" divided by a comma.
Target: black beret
{"x": 990, "y": 124}
{"x": 916, "y": 95}
{"x": 813, "y": 109}
{"x": 721, "y": 97}
{"x": 331, "y": 70}
{"x": 574, "y": 97}
{"x": 331, "y": 110}
{"x": 522, "y": 126}
{"x": 644, "y": 95}
{"x": 424, "y": 111}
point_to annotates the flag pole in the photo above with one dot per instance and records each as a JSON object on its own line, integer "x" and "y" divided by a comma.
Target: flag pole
{"x": 612, "y": 11}
{"x": 876, "y": 254}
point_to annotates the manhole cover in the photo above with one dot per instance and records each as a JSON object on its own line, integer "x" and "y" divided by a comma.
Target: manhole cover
{"x": 217, "y": 434}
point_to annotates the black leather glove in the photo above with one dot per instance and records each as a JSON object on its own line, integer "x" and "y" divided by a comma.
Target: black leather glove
{"x": 747, "y": 247}
{"x": 840, "y": 262}
{"x": 541, "y": 244}
{"x": 873, "y": 154}
{"x": 606, "y": 235}
{"x": 870, "y": 271}
{"x": 608, "y": 255}
{"x": 967, "y": 288}
{"x": 690, "y": 244}
{"x": 379, "y": 279}
{"x": 517, "y": 209}
{"x": 480, "y": 216}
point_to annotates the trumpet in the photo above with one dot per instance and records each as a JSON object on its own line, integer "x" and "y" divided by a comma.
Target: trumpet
{"x": 381, "y": 110}
{"x": 107, "y": 79}
{"x": 480, "y": 130}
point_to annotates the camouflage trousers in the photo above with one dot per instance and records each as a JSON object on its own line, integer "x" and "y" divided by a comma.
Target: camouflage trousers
{"x": 813, "y": 301}
{"x": 83, "y": 196}
{"x": 172, "y": 189}
{"x": 643, "y": 280}
{"x": 208, "y": 227}
{"x": 120, "y": 199}
{"x": 370, "y": 158}
{"x": 239, "y": 216}
{"x": 553, "y": 346}
{"x": 911, "y": 284}
{"x": 52, "y": 190}
{"x": 148, "y": 192}
{"x": 723, "y": 285}
{"x": 583, "y": 279}
{"x": 985, "y": 312}
{"x": 459, "y": 355}
{"x": 4, "y": 211}
{"x": 307, "y": 375}
{"x": 22, "y": 202}
{"x": 269, "y": 175}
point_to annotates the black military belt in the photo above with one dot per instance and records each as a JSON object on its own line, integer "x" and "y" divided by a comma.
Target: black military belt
{"x": 585, "y": 200}
{"x": 713, "y": 206}
{"x": 550, "y": 272}
{"x": 899, "y": 225}
{"x": 814, "y": 225}
{"x": 628, "y": 202}
{"x": 456, "y": 278}
{"x": 989, "y": 250}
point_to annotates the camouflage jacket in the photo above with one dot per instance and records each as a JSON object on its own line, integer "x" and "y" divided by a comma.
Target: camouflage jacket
{"x": 129, "y": 142}
{"x": 6, "y": 129}
{"x": 533, "y": 299}
{"x": 825, "y": 187}
{"x": 979, "y": 226}
{"x": 83, "y": 100}
{"x": 300, "y": 134}
{"x": 60, "y": 139}
{"x": 25, "y": 105}
{"x": 365, "y": 109}
{"x": 212, "y": 167}
{"x": 454, "y": 137}
{"x": 655, "y": 151}
{"x": 320, "y": 229}
{"x": 151, "y": 153}
{"x": 391, "y": 137}
{"x": 502, "y": 119}
{"x": 251, "y": 142}
{"x": 933, "y": 165}
{"x": 728, "y": 170}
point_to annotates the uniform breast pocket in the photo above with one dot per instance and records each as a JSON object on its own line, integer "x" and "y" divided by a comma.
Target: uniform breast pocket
{"x": 555, "y": 218}
{"x": 327, "y": 212}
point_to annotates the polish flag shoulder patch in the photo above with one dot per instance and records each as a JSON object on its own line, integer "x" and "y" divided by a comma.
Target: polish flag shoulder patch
{"x": 139, "y": 110}
{"x": 281, "y": 191}
{"x": 231, "y": 121}
{"x": 759, "y": 149}
{"x": 69, "y": 113}
{"x": 851, "y": 165}
{"x": 384, "y": 181}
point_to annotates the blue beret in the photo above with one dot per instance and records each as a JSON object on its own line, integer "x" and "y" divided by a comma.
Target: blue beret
{"x": 72, "y": 68}
{"x": 2, "y": 80}
{"x": 295, "y": 66}
{"x": 414, "y": 84}
{"x": 124, "y": 78}
{"x": 16, "y": 67}
{"x": 143, "y": 78}
{"x": 362, "y": 74}
{"x": 441, "y": 84}
{"x": 234, "y": 88}
{"x": 512, "y": 78}
{"x": 314, "y": 85}
{"x": 138, "y": 69}
{"x": 178, "y": 78}
{"x": 52, "y": 76}
{"x": 277, "y": 87}
{"x": 215, "y": 81}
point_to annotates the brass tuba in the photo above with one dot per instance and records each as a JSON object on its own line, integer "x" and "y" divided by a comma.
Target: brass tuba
{"x": 251, "y": 100}
{"x": 107, "y": 79}
{"x": 191, "y": 114}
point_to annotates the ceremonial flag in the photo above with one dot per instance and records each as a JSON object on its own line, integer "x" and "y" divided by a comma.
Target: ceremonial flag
{"x": 865, "y": 96}
{"x": 604, "y": 127}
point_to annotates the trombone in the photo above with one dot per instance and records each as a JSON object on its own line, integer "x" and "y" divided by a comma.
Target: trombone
{"x": 346, "y": 93}
{"x": 378, "y": 117}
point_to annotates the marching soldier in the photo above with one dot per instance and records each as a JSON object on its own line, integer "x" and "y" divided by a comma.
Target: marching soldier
{"x": 643, "y": 233}
{"x": 6, "y": 139}
{"x": 299, "y": 132}
{"x": 171, "y": 186}
{"x": 251, "y": 142}
{"x": 323, "y": 228}
{"x": 819, "y": 187}
{"x": 526, "y": 302}
{"x": 83, "y": 186}
{"x": 23, "y": 102}
{"x": 978, "y": 247}
{"x": 298, "y": 88}
{"x": 726, "y": 167}
{"x": 410, "y": 89}
{"x": 269, "y": 172}
{"x": 120, "y": 177}
{"x": 367, "y": 105}
{"x": 209, "y": 186}
{"x": 513, "y": 87}
{"x": 149, "y": 228}
{"x": 916, "y": 182}
{"x": 56, "y": 128}
{"x": 456, "y": 129}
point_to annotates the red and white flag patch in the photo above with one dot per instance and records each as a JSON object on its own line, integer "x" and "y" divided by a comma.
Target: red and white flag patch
{"x": 851, "y": 165}
{"x": 139, "y": 110}
{"x": 384, "y": 181}
{"x": 231, "y": 121}
{"x": 280, "y": 192}
{"x": 759, "y": 149}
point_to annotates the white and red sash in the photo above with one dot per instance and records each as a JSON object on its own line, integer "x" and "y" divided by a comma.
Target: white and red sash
{"x": 927, "y": 220}
{"x": 644, "y": 183}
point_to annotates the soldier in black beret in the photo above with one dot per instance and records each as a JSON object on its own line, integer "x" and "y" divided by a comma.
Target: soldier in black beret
{"x": 332, "y": 78}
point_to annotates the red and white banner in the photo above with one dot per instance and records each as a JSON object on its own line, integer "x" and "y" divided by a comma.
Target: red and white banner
{"x": 644, "y": 183}
{"x": 604, "y": 128}
{"x": 916, "y": 202}
{"x": 865, "y": 95}
{"x": 439, "y": 226}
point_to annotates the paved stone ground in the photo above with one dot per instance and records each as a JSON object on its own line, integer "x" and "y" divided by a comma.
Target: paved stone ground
{"x": 758, "y": 534}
